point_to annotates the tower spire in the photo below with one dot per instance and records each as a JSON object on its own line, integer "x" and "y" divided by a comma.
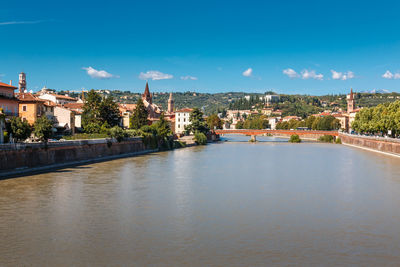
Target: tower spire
{"x": 146, "y": 95}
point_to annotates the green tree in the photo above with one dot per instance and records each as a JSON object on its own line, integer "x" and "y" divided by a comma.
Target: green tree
{"x": 294, "y": 139}
{"x": 197, "y": 123}
{"x": 91, "y": 112}
{"x": 200, "y": 138}
{"x": 109, "y": 111}
{"x": 214, "y": 122}
{"x": 19, "y": 129}
{"x": 139, "y": 117}
{"x": 43, "y": 128}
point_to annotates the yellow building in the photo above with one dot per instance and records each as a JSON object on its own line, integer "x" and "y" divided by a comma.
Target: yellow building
{"x": 30, "y": 107}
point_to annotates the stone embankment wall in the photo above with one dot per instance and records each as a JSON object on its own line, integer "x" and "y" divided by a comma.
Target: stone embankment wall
{"x": 387, "y": 145}
{"x": 33, "y": 155}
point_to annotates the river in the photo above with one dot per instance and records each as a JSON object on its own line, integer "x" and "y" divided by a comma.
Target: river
{"x": 224, "y": 204}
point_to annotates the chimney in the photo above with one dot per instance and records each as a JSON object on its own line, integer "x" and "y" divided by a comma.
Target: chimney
{"x": 11, "y": 82}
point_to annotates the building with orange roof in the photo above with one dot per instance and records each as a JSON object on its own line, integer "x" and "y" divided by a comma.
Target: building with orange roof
{"x": 30, "y": 107}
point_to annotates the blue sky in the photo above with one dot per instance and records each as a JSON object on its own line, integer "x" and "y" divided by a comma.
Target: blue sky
{"x": 311, "y": 47}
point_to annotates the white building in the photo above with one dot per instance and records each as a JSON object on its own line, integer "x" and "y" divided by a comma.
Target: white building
{"x": 272, "y": 98}
{"x": 272, "y": 122}
{"x": 182, "y": 119}
{"x": 58, "y": 99}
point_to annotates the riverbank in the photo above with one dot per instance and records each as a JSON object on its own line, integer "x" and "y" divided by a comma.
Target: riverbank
{"x": 27, "y": 158}
{"x": 387, "y": 146}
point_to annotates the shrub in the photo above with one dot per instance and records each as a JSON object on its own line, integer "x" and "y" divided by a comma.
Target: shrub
{"x": 338, "y": 140}
{"x": 179, "y": 144}
{"x": 294, "y": 139}
{"x": 326, "y": 139}
{"x": 200, "y": 138}
{"x": 117, "y": 133}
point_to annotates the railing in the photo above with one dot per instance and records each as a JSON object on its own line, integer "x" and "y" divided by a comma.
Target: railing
{"x": 10, "y": 113}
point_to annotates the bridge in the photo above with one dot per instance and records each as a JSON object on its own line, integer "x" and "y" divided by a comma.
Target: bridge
{"x": 304, "y": 133}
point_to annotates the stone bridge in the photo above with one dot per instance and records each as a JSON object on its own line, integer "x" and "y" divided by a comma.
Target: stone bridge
{"x": 311, "y": 134}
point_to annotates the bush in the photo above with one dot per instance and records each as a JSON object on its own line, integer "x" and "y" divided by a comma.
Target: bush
{"x": 117, "y": 133}
{"x": 179, "y": 144}
{"x": 338, "y": 140}
{"x": 326, "y": 139}
{"x": 294, "y": 139}
{"x": 200, "y": 138}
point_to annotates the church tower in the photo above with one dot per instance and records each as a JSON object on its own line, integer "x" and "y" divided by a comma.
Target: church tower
{"x": 22, "y": 82}
{"x": 171, "y": 103}
{"x": 146, "y": 95}
{"x": 350, "y": 102}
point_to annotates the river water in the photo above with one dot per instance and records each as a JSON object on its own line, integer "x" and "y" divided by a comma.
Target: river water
{"x": 225, "y": 204}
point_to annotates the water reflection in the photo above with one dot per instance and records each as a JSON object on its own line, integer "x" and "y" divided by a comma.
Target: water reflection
{"x": 232, "y": 203}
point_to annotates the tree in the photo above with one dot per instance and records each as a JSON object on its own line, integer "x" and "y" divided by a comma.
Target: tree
{"x": 43, "y": 128}
{"x": 162, "y": 127}
{"x": 214, "y": 122}
{"x": 294, "y": 139}
{"x": 91, "y": 121}
{"x": 19, "y": 129}
{"x": 139, "y": 117}
{"x": 98, "y": 111}
{"x": 109, "y": 111}
{"x": 197, "y": 123}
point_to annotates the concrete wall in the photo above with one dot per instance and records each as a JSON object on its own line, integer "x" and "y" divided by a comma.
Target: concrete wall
{"x": 15, "y": 156}
{"x": 388, "y": 145}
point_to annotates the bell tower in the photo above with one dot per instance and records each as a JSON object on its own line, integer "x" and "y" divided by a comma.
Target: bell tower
{"x": 350, "y": 102}
{"x": 146, "y": 95}
{"x": 22, "y": 82}
{"x": 171, "y": 103}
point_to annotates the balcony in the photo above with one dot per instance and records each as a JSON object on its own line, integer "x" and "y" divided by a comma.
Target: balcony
{"x": 10, "y": 113}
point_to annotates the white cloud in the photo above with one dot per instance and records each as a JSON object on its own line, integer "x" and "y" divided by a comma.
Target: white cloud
{"x": 19, "y": 22}
{"x": 188, "y": 78}
{"x": 342, "y": 76}
{"x": 291, "y": 73}
{"x": 390, "y": 75}
{"x": 99, "y": 74}
{"x": 155, "y": 75}
{"x": 248, "y": 72}
{"x": 311, "y": 74}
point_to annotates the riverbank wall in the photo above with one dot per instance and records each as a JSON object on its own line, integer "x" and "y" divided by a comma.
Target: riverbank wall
{"x": 379, "y": 144}
{"x": 17, "y": 159}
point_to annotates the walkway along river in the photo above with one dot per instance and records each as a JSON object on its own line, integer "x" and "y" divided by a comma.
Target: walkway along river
{"x": 225, "y": 204}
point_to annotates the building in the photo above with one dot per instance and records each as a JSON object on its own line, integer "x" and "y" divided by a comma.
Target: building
{"x": 182, "y": 119}
{"x": 22, "y": 83}
{"x": 30, "y": 107}
{"x": 272, "y": 122}
{"x": 58, "y": 99}
{"x": 77, "y": 108}
{"x": 153, "y": 110}
{"x": 126, "y": 112}
{"x": 288, "y": 118}
{"x": 271, "y": 98}
{"x": 8, "y": 101}
{"x": 64, "y": 119}
{"x": 350, "y": 102}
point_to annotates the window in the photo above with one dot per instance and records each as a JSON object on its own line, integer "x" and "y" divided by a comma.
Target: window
{"x": 179, "y": 126}
{"x": 179, "y": 120}
{"x": 184, "y": 120}
{"x": 24, "y": 108}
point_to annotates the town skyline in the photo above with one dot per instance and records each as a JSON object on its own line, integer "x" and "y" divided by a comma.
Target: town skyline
{"x": 287, "y": 48}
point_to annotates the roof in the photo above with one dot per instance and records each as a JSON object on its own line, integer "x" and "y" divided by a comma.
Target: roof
{"x": 28, "y": 97}
{"x": 187, "y": 110}
{"x": 65, "y": 97}
{"x": 74, "y": 105}
{"x": 49, "y": 103}
{"x": 7, "y": 86}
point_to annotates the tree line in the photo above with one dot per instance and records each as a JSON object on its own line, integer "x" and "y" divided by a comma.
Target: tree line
{"x": 384, "y": 119}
